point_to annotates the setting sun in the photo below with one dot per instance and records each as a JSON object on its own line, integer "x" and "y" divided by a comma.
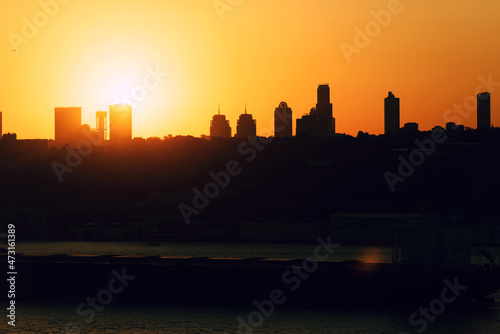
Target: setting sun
{"x": 244, "y": 166}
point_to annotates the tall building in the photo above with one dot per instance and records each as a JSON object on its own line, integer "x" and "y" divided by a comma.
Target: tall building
{"x": 67, "y": 126}
{"x": 120, "y": 123}
{"x": 219, "y": 126}
{"x": 247, "y": 126}
{"x": 391, "y": 114}
{"x": 283, "y": 121}
{"x": 101, "y": 118}
{"x": 324, "y": 110}
{"x": 1, "y": 133}
{"x": 483, "y": 110}
{"x": 320, "y": 121}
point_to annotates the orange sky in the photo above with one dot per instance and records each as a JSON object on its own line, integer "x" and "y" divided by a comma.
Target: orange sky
{"x": 88, "y": 53}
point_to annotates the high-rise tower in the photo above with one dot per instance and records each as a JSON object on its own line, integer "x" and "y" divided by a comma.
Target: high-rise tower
{"x": 483, "y": 110}
{"x": 324, "y": 112}
{"x": 120, "y": 123}
{"x": 391, "y": 114}
{"x": 320, "y": 121}
{"x": 283, "y": 121}
{"x": 102, "y": 123}
{"x": 67, "y": 123}
{"x": 219, "y": 126}
{"x": 247, "y": 126}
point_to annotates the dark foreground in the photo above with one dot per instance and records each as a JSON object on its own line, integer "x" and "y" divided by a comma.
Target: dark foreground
{"x": 95, "y": 281}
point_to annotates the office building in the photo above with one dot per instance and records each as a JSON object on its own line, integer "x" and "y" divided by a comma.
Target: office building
{"x": 67, "y": 126}
{"x": 219, "y": 126}
{"x": 120, "y": 123}
{"x": 246, "y": 126}
{"x": 307, "y": 124}
{"x": 320, "y": 121}
{"x": 102, "y": 123}
{"x": 324, "y": 110}
{"x": 483, "y": 110}
{"x": 391, "y": 114}
{"x": 282, "y": 121}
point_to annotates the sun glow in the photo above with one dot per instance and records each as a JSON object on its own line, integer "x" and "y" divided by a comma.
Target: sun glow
{"x": 95, "y": 53}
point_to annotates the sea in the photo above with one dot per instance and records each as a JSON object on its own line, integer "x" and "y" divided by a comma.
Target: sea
{"x": 57, "y": 317}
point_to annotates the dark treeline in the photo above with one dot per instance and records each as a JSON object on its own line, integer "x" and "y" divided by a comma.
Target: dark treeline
{"x": 293, "y": 179}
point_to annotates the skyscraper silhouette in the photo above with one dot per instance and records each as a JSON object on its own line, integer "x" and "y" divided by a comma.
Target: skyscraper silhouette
{"x": 320, "y": 121}
{"x": 391, "y": 114}
{"x": 67, "y": 123}
{"x": 120, "y": 123}
{"x": 324, "y": 110}
{"x": 483, "y": 110}
{"x": 1, "y": 133}
{"x": 247, "y": 126}
{"x": 102, "y": 123}
{"x": 283, "y": 121}
{"x": 219, "y": 126}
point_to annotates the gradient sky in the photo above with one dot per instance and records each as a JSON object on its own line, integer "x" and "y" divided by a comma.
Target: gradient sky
{"x": 262, "y": 52}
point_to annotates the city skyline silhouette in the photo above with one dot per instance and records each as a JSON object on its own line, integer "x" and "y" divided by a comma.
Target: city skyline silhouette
{"x": 174, "y": 72}
{"x": 305, "y": 124}
{"x": 231, "y": 166}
